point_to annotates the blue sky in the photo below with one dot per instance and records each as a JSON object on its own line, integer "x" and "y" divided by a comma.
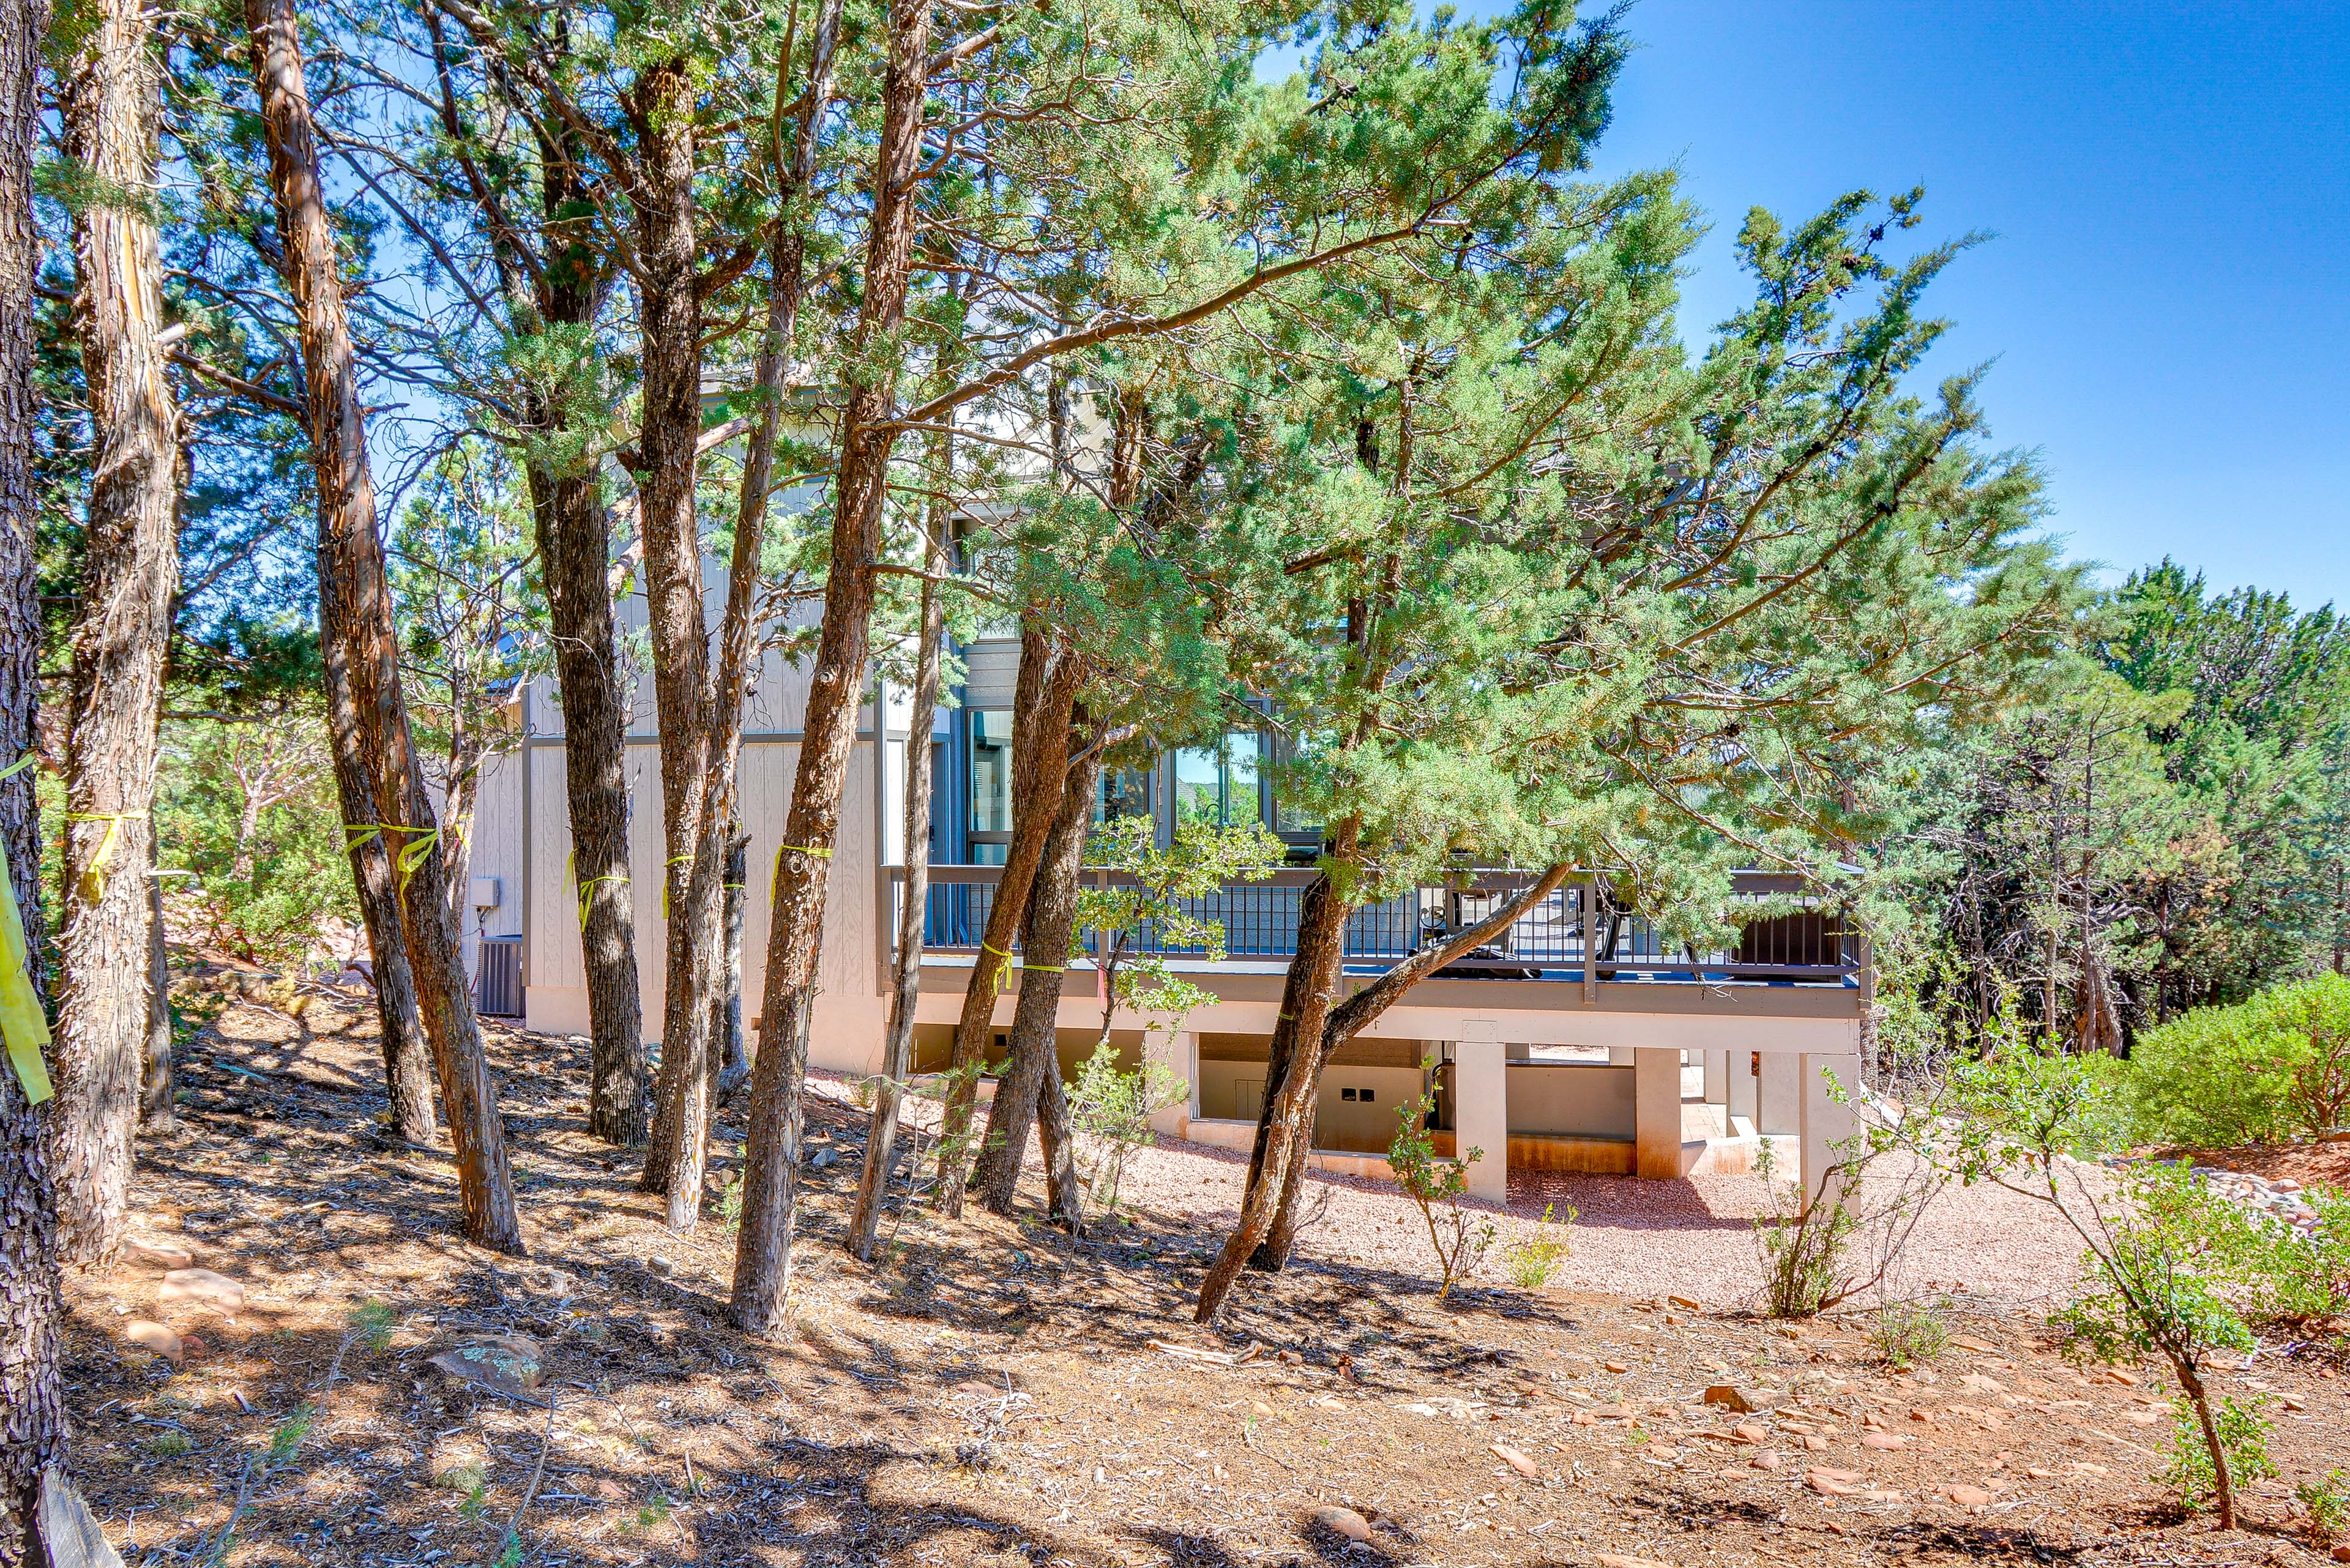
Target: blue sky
{"x": 2167, "y": 292}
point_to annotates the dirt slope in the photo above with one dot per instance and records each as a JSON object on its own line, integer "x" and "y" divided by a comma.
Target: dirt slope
{"x": 991, "y": 1391}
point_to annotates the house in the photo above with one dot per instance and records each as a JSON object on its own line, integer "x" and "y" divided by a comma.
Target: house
{"x": 1636, "y": 1060}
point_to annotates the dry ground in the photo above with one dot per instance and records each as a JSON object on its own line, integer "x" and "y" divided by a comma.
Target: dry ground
{"x": 992, "y": 1392}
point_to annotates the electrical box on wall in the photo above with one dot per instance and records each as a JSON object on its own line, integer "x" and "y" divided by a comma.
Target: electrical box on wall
{"x": 485, "y": 893}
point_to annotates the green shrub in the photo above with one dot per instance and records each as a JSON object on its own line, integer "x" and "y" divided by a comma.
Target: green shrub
{"x": 2243, "y": 1436}
{"x": 1906, "y": 1332}
{"x": 2327, "y": 1503}
{"x": 2264, "y": 1070}
{"x": 1110, "y": 1110}
{"x": 1533, "y": 1256}
{"x": 2292, "y": 1278}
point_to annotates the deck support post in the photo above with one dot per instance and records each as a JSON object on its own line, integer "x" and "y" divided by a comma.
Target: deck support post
{"x": 1179, "y": 1052}
{"x": 1825, "y": 1122}
{"x": 1481, "y": 1109}
{"x": 1657, "y": 1112}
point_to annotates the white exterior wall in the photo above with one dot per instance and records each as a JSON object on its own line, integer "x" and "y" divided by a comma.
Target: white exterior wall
{"x": 525, "y": 839}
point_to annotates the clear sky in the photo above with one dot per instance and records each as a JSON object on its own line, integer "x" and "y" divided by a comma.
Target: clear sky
{"x": 2167, "y": 290}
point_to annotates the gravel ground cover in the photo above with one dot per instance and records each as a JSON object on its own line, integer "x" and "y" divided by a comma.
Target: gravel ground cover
{"x": 1637, "y": 1237}
{"x": 992, "y": 1392}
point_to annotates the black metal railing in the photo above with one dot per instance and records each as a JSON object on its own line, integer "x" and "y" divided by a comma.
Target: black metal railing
{"x": 1551, "y": 940}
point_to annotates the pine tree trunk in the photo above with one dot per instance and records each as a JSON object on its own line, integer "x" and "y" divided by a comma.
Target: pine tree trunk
{"x": 574, "y": 542}
{"x": 1285, "y": 1134}
{"x": 407, "y": 1068}
{"x": 1045, "y": 933}
{"x": 669, "y": 247}
{"x": 1285, "y": 1131}
{"x": 729, "y": 1067}
{"x": 1044, "y": 699}
{"x": 898, "y": 1046}
{"x": 837, "y": 682}
{"x": 158, "y": 1099}
{"x": 574, "y": 535}
{"x": 1065, "y": 1198}
{"x": 32, "y": 1401}
{"x": 129, "y": 574}
{"x": 351, "y": 555}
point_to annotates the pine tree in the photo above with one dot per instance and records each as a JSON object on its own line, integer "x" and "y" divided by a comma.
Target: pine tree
{"x": 130, "y": 579}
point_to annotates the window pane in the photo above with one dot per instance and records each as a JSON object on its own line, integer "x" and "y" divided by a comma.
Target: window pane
{"x": 1124, "y": 792}
{"x": 1288, "y": 816}
{"x": 1244, "y": 787}
{"x": 1197, "y": 794}
{"x": 990, "y": 771}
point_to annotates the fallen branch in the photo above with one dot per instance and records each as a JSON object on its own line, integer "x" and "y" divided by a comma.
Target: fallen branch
{"x": 1216, "y": 1357}
{"x": 530, "y": 1493}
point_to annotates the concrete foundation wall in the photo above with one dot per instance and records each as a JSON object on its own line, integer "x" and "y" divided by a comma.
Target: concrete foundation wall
{"x": 1570, "y": 1100}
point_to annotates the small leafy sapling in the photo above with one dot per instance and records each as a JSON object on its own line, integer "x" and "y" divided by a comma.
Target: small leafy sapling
{"x": 2164, "y": 1259}
{"x": 1111, "y": 1108}
{"x": 1142, "y": 902}
{"x": 1436, "y": 1186}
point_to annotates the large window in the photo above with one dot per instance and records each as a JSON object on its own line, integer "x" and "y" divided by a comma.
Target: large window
{"x": 1223, "y": 786}
{"x": 990, "y": 823}
{"x": 1123, "y": 792}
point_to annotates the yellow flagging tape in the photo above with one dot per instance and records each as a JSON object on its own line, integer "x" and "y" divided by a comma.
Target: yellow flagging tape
{"x": 571, "y": 874}
{"x": 1045, "y": 968}
{"x": 586, "y": 896}
{"x": 1000, "y": 968}
{"x": 93, "y": 881}
{"x": 672, "y": 860}
{"x": 411, "y": 854}
{"x": 22, "y": 1021}
{"x": 776, "y": 878}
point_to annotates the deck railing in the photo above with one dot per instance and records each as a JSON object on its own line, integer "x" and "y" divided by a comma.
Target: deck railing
{"x": 1549, "y": 941}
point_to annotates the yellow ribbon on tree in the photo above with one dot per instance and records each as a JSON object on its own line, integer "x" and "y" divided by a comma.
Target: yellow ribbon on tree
{"x": 585, "y": 896}
{"x": 1000, "y": 971}
{"x": 571, "y": 872}
{"x": 775, "y": 879}
{"x": 672, "y": 860}
{"x": 93, "y": 881}
{"x": 22, "y": 1022}
{"x": 411, "y": 854}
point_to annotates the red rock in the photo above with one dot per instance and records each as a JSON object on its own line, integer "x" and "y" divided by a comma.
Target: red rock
{"x": 202, "y": 1286}
{"x": 1609, "y": 1560}
{"x": 1886, "y": 1440}
{"x": 1748, "y": 1432}
{"x": 157, "y": 1253}
{"x": 1744, "y": 1401}
{"x": 1345, "y": 1521}
{"x": 1768, "y": 1459}
{"x": 1516, "y": 1460}
{"x": 1815, "y": 1442}
{"x": 1966, "y": 1496}
{"x": 154, "y": 1336}
{"x": 1827, "y": 1485}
